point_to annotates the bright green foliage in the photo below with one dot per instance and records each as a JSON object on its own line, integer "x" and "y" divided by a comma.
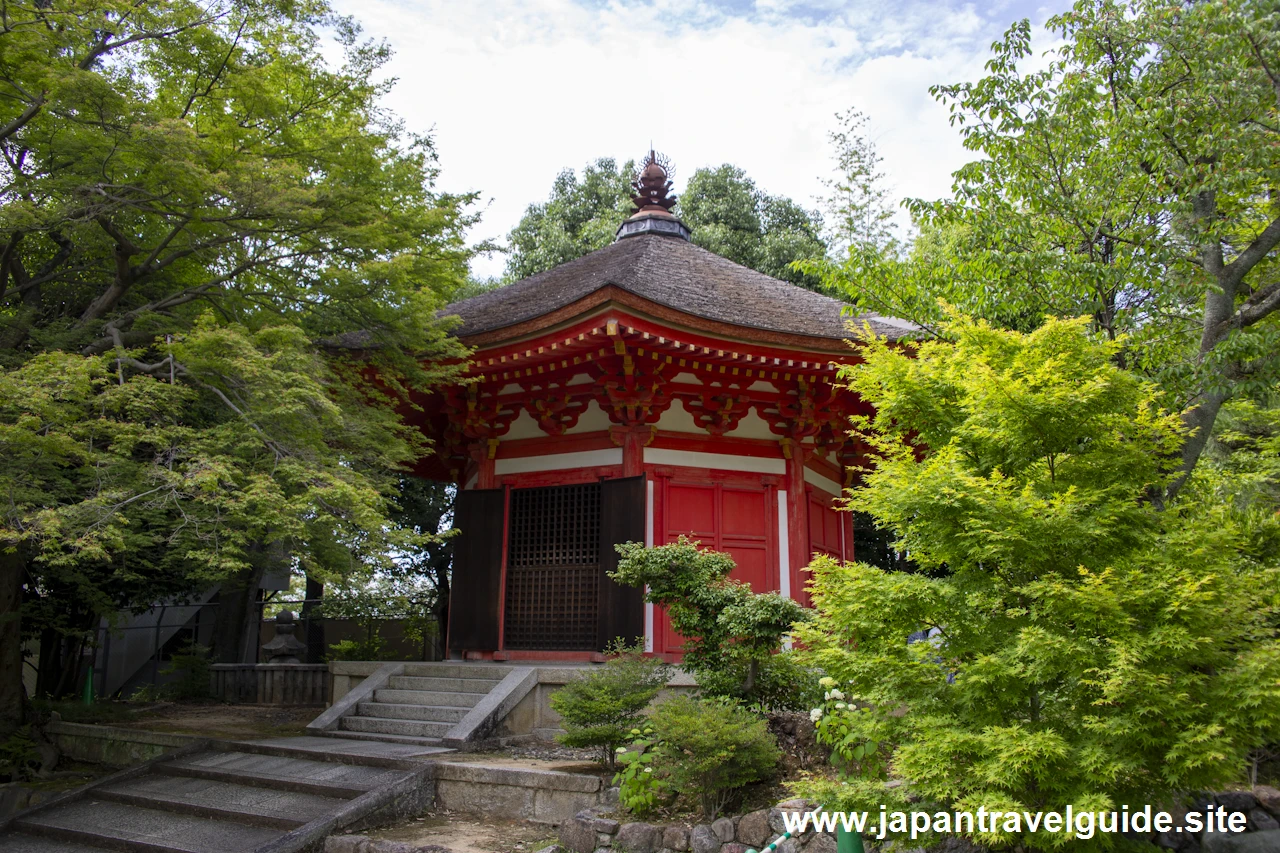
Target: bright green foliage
{"x": 600, "y": 709}
{"x": 640, "y": 789}
{"x": 212, "y": 242}
{"x": 582, "y": 215}
{"x": 1130, "y": 178}
{"x": 731, "y": 633}
{"x": 711, "y": 749}
{"x": 858, "y": 212}
{"x": 1093, "y": 650}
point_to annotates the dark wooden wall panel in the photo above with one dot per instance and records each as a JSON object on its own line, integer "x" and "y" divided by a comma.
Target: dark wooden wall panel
{"x": 622, "y": 511}
{"x": 474, "y": 602}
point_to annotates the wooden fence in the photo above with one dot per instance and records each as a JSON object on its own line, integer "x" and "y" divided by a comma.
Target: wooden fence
{"x": 271, "y": 683}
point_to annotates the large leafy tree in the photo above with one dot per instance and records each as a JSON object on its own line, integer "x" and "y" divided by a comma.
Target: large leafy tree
{"x": 580, "y": 216}
{"x": 732, "y": 217}
{"x": 1090, "y": 649}
{"x": 728, "y": 214}
{"x": 219, "y": 266}
{"x": 1131, "y": 178}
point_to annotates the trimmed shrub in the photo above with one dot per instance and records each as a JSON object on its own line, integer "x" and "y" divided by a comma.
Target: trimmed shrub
{"x": 600, "y": 709}
{"x": 710, "y": 750}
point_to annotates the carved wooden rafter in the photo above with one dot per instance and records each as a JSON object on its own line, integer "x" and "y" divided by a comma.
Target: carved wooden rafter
{"x": 632, "y": 391}
{"x": 718, "y": 408}
{"x": 556, "y": 407}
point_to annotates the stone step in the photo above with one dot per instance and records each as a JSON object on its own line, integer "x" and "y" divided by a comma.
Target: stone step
{"x": 20, "y": 842}
{"x": 427, "y": 697}
{"x": 429, "y": 713}
{"x": 488, "y": 672}
{"x": 386, "y": 726}
{"x": 117, "y": 826}
{"x": 304, "y": 775}
{"x": 404, "y": 739}
{"x": 221, "y": 800}
{"x": 442, "y": 685}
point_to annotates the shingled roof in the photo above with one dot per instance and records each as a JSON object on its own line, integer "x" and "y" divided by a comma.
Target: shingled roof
{"x": 679, "y": 275}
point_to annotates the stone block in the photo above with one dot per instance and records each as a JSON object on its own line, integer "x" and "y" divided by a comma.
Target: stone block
{"x": 703, "y": 839}
{"x": 638, "y": 837}
{"x": 723, "y": 828}
{"x": 1269, "y": 798}
{"x": 753, "y": 829}
{"x": 346, "y": 844}
{"x": 392, "y": 847}
{"x": 733, "y": 847}
{"x": 1260, "y": 820}
{"x": 675, "y": 838}
{"x": 596, "y": 822}
{"x": 604, "y": 839}
{"x": 577, "y": 836}
{"x": 552, "y": 848}
{"x": 1248, "y": 842}
{"x": 791, "y": 845}
{"x": 1237, "y": 801}
{"x": 821, "y": 843}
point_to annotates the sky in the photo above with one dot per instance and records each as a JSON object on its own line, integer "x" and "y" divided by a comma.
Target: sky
{"x": 514, "y": 91}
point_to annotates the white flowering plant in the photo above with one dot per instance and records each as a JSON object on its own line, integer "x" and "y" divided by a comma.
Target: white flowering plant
{"x": 640, "y": 789}
{"x": 846, "y": 727}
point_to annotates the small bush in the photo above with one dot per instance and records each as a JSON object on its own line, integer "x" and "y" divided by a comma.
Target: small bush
{"x": 191, "y": 665}
{"x": 731, "y": 633}
{"x": 19, "y": 755}
{"x": 370, "y": 648}
{"x": 600, "y": 709}
{"x": 710, "y": 750}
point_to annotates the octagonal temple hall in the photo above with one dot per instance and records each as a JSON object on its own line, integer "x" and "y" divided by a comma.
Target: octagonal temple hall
{"x": 648, "y": 390}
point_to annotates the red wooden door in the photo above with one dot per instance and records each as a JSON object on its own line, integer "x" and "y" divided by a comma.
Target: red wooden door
{"x": 738, "y": 517}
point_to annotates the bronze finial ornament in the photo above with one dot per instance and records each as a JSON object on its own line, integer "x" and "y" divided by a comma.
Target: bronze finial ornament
{"x": 653, "y": 185}
{"x": 653, "y": 201}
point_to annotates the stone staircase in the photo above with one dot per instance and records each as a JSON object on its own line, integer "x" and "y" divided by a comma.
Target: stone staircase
{"x": 420, "y": 705}
{"x": 222, "y": 797}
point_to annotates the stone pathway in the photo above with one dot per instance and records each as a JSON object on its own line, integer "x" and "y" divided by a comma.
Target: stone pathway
{"x": 266, "y": 796}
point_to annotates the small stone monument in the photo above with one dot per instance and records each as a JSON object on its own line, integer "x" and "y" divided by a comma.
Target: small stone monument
{"x": 284, "y": 648}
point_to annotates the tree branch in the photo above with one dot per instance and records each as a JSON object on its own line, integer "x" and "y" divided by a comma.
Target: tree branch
{"x": 32, "y": 110}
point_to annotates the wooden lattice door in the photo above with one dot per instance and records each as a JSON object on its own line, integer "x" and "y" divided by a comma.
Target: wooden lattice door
{"x": 553, "y": 568}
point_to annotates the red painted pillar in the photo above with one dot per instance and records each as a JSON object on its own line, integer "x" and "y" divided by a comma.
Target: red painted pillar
{"x": 797, "y": 516}
{"x": 483, "y": 452}
{"x": 632, "y": 440}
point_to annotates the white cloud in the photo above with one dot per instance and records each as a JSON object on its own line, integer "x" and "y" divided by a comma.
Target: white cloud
{"x": 517, "y": 90}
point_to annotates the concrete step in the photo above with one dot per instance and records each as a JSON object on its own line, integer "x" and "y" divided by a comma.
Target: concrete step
{"x": 488, "y": 672}
{"x": 427, "y": 697}
{"x": 304, "y": 775}
{"x": 386, "y": 726}
{"x": 221, "y": 800}
{"x": 20, "y": 842}
{"x": 384, "y": 738}
{"x": 442, "y": 685}
{"x": 429, "y": 713}
{"x": 100, "y": 823}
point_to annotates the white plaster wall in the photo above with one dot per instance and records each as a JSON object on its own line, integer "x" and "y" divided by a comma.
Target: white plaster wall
{"x": 752, "y": 426}
{"x": 723, "y": 461}
{"x": 828, "y": 485}
{"x": 559, "y": 461}
{"x": 592, "y": 419}
{"x": 524, "y": 426}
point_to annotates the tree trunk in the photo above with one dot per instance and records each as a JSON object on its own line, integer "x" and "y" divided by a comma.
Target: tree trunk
{"x": 12, "y": 692}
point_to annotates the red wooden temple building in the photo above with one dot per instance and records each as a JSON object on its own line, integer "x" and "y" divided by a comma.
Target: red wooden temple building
{"x": 648, "y": 390}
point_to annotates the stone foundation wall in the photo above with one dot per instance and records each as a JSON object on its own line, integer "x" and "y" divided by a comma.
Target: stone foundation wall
{"x": 591, "y": 830}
